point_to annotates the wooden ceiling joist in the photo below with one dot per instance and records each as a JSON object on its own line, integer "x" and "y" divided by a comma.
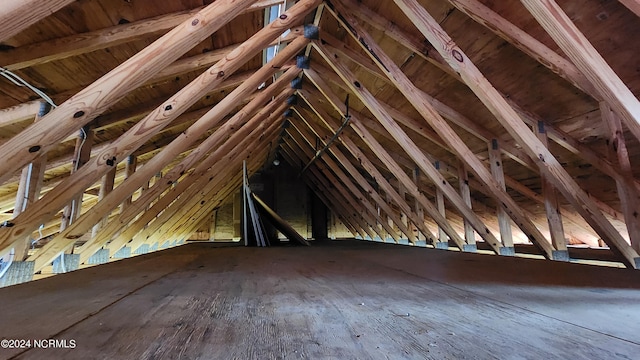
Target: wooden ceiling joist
{"x": 97, "y": 97}
{"x": 120, "y": 194}
{"x": 74, "y": 45}
{"x": 174, "y": 106}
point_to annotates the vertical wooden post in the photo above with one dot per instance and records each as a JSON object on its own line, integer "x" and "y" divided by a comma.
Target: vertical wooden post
{"x": 465, "y": 193}
{"x": 552, "y": 206}
{"x": 504, "y": 222}
{"x": 130, "y": 168}
{"x": 628, "y": 194}
{"x": 106, "y": 186}
{"x": 418, "y": 208}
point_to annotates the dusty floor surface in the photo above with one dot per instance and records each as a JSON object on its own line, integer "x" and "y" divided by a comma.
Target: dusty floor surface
{"x": 342, "y": 300}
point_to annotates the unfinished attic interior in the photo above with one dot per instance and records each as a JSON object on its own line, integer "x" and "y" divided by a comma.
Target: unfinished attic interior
{"x": 216, "y": 179}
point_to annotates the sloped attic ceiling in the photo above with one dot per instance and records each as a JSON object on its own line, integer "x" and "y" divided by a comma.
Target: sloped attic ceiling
{"x": 466, "y": 121}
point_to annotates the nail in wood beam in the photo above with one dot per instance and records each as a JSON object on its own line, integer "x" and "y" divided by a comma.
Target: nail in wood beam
{"x": 104, "y": 92}
{"x": 578, "y": 48}
{"x": 513, "y": 123}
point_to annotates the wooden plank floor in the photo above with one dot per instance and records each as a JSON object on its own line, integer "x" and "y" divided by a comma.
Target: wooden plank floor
{"x": 342, "y": 300}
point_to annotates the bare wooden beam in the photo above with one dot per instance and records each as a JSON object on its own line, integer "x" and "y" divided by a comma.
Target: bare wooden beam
{"x": 497, "y": 170}
{"x": 552, "y": 206}
{"x": 627, "y": 193}
{"x": 74, "y": 45}
{"x": 419, "y": 47}
{"x": 17, "y": 15}
{"x": 465, "y": 193}
{"x": 177, "y": 104}
{"x": 512, "y": 122}
{"x": 97, "y": 97}
{"x": 213, "y": 141}
{"x": 578, "y": 48}
{"x": 406, "y": 87}
{"x": 632, "y": 5}
{"x": 526, "y": 43}
{"x": 417, "y": 219}
{"x": 391, "y": 164}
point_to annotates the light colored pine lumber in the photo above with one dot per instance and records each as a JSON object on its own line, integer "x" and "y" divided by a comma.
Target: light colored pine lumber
{"x": 173, "y": 107}
{"x": 512, "y": 122}
{"x": 526, "y": 43}
{"x": 213, "y": 141}
{"x": 627, "y": 193}
{"x": 17, "y": 15}
{"x": 362, "y": 160}
{"x": 390, "y": 163}
{"x": 497, "y": 170}
{"x": 578, "y": 48}
{"x": 78, "y": 44}
{"x": 104, "y": 92}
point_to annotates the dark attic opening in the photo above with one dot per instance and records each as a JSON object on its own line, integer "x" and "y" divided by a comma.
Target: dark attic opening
{"x": 349, "y": 179}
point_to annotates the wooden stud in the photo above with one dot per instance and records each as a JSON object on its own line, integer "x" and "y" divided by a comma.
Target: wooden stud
{"x": 104, "y": 92}
{"x": 627, "y": 192}
{"x": 495, "y": 161}
{"x": 465, "y": 193}
{"x": 512, "y": 122}
{"x": 552, "y": 203}
{"x": 391, "y": 164}
{"x": 173, "y": 107}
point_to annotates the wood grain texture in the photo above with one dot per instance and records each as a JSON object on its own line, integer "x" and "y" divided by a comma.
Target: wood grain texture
{"x": 17, "y": 15}
{"x": 74, "y": 45}
{"x": 505, "y": 114}
{"x": 97, "y": 97}
{"x": 578, "y": 48}
{"x": 167, "y": 112}
{"x": 341, "y": 300}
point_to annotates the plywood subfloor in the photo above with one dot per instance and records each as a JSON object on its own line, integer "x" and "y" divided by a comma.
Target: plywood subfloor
{"x": 342, "y": 300}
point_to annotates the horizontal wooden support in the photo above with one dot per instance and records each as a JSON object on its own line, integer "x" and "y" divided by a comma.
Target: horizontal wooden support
{"x": 74, "y": 45}
{"x": 104, "y": 92}
{"x": 173, "y": 107}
